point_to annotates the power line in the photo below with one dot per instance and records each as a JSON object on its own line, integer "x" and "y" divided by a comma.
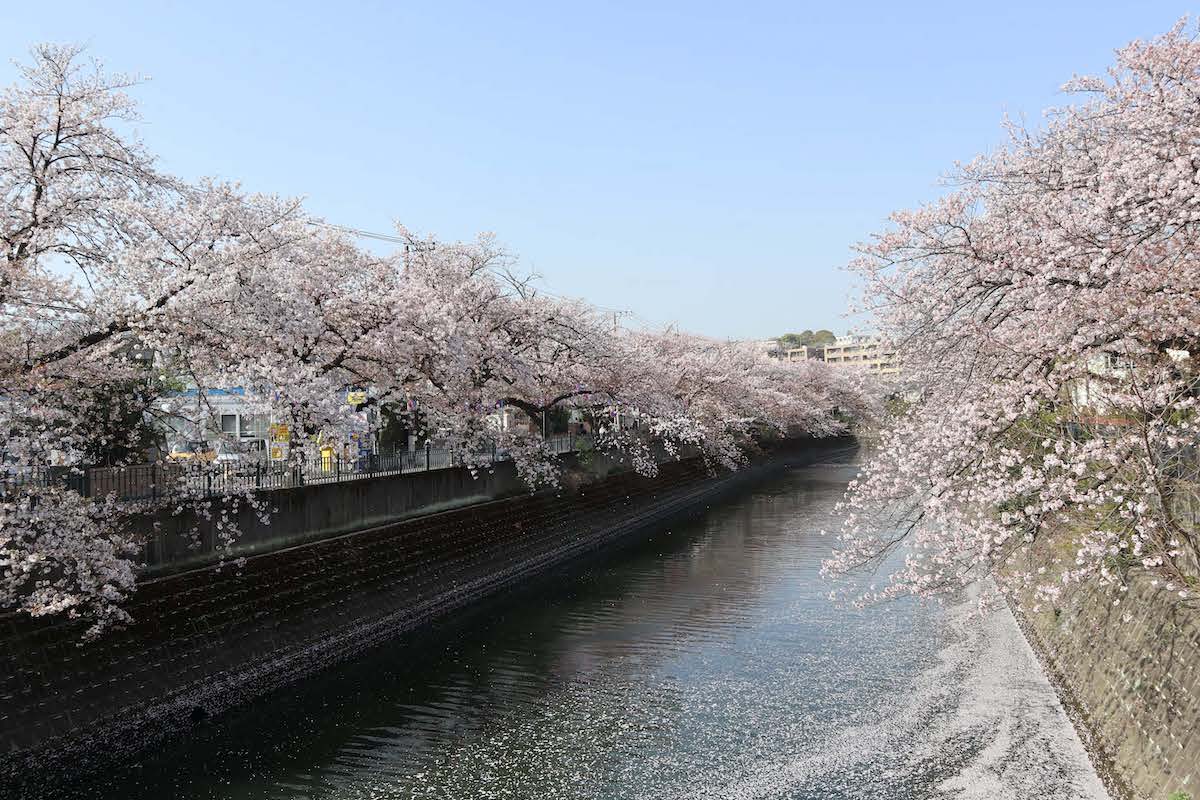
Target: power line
{"x": 383, "y": 237}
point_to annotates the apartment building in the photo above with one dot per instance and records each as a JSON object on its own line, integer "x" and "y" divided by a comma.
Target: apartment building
{"x": 804, "y": 353}
{"x": 862, "y": 351}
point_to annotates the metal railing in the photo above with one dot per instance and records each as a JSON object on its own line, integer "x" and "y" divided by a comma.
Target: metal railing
{"x": 213, "y": 478}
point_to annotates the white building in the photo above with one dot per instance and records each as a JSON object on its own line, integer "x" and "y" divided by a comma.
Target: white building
{"x": 767, "y": 348}
{"x": 222, "y": 411}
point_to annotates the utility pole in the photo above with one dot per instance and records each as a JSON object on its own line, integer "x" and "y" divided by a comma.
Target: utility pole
{"x": 616, "y": 324}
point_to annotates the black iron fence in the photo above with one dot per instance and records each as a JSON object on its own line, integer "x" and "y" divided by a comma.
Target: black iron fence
{"x": 212, "y": 478}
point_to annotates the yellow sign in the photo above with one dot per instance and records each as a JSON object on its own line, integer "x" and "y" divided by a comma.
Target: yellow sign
{"x": 276, "y": 453}
{"x": 279, "y": 432}
{"x": 356, "y": 398}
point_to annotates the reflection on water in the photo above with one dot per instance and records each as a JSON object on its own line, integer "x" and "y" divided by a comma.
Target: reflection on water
{"x": 705, "y": 661}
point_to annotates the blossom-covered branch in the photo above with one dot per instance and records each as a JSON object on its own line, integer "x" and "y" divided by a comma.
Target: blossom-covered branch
{"x": 1046, "y": 312}
{"x": 124, "y": 290}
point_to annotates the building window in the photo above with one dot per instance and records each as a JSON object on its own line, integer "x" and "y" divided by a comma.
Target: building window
{"x": 255, "y": 425}
{"x": 229, "y": 424}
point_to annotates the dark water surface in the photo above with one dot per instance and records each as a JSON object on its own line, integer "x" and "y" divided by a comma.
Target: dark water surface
{"x": 704, "y": 661}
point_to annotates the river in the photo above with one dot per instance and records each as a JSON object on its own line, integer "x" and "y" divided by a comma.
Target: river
{"x": 704, "y": 661}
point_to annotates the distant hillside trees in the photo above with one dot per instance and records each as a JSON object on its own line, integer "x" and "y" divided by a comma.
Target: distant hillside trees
{"x": 807, "y": 338}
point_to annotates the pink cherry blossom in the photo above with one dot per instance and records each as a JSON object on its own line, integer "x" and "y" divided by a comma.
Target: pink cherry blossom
{"x": 1046, "y": 312}
{"x": 105, "y": 257}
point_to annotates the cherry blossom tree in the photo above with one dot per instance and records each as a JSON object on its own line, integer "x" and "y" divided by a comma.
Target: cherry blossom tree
{"x": 120, "y": 284}
{"x": 104, "y": 257}
{"x": 1046, "y": 312}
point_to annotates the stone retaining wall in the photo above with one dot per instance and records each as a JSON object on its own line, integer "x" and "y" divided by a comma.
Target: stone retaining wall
{"x": 1132, "y": 672}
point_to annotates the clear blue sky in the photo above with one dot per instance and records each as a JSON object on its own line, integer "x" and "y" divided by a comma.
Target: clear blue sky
{"x": 709, "y": 165}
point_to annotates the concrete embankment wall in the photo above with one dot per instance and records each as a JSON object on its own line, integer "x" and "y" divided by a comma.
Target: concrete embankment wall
{"x": 300, "y": 514}
{"x": 1132, "y": 672}
{"x": 178, "y": 541}
{"x": 207, "y": 639}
